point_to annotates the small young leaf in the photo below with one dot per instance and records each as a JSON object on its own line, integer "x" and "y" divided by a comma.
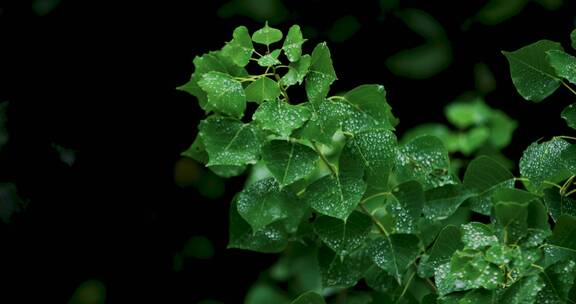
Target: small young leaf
{"x": 269, "y": 59}
{"x": 395, "y": 253}
{"x": 376, "y": 151}
{"x": 321, "y": 74}
{"x": 272, "y": 238}
{"x": 293, "y": 43}
{"x": 225, "y": 95}
{"x": 343, "y": 237}
{"x": 264, "y": 202}
{"x": 446, "y": 244}
{"x": 543, "y": 162}
{"x": 335, "y": 196}
{"x": 262, "y": 89}
{"x": 370, "y": 108}
{"x": 569, "y": 114}
{"x": 563, "y": 63}
{"x": 467, "y": 271}
{"x": 267, "y": 35}
{"x": 240, "y": 49}
{"x": 289, "y": 161}
{"x": 424, "y": 159}
{"x": 532, "y": 75}
{"x": 558, "y": 204}
{"x": 339, "y": 271}
{"x": 296, "y": 71}
{"x": 228, "y": 141}
{"x": 309, "y": 297}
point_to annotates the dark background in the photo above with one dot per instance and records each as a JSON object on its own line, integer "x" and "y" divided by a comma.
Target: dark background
{"x": 98, "y": 77}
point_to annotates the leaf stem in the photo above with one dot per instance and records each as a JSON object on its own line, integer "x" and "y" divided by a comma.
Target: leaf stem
{"x": 568, "y": 87}
{"x": 564, "y": 137}
{"x": 252, "y": 77}
{"x": 282, "y": 88}
{"x": 566, "y": 185}
{"x": 375, "y": 196}
{"x": 406, "y": 287}
{"x": 375, "y": 220}
{"x": 324, "y": 159}
{"x": 336, "y": 97}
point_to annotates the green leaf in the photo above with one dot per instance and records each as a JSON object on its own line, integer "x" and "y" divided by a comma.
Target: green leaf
{"x": 405, "y": 207}
{"x": 269, "y": 59}
{"x": 485, "y": 174}
{"x": 478, "y": 296}
{"x": 267, "y": 35}
{"x": 380, "y": 280}
{"x": 562, "y": 244}
{"x": 477, "y": 236}
{"x": 281, "y": 117}
{"x": 563, "y": 63}
{"x": 543, "y": 162}
{"x": 240, "y": 49}
{"x": 466, "y": 114}
{"x": 262, "y": 293}
{"x": 263, "y": 89}
{"x": 264, "y": 202}
{"x": 441, "y": 202}
{"x": 558, "y": 279}
{"x": 325, "y": 120}
{"x": 467, "y": 271}
{"x": 569, "y": 114}
{"x": 473, "y": 139}
{"x": 335, "y": 196}
{"x": 343, "y": 237}
{"x": 293, "y": 43}
{"x": 227, "y": 171}
{"x": 573, "y": 38}
{"x": 424, "y": 159}
{"x": 321, "y": 74}
{"x": 296, "y": 71}
{"x": 228, "y": 141}
{"x": 501, "y": 129}
{"x": 197, "y": 151}
{"x": 272, "y": 238}
{"x": 213, "y": 61}
{"x": 339, "y": 271}
{"x": 510, "y": 220}
{"x": 395, "y": 253}
{"x": 309, "y": 297}
{"x": 523, "y": 291}
{"x": 446, "y": 244}
{"x": 532, "y": 75}
{"x": 225, "y": 95}
{"x": 558, "y": 204}
{"x": 289, "y": 161}
{"x": 375, "y": 151}
{"x": 370, "y": 109}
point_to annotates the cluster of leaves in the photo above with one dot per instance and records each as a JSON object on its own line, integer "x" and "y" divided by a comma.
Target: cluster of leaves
{"x": 479, "y": 130}
{"x": 330, "y": 180}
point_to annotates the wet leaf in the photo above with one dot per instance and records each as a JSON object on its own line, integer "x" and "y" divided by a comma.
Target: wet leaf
{"x": 289, "y": 161}
{"x": 532, "y": 75}
{"x": 343, "y": 237}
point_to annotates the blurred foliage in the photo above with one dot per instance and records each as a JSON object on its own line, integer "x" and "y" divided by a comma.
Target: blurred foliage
{"x": 89, "y": 292}
{"x": 4, "y": 136}
{"x": 272, "y": 11}
{"x": 498, "y": 11}
{"x": 344, "y": 28}
{"x": 44, "y": 7}
{"x": 10, "y": 201}
{"x": 425, "y": 60}
{"x": 480, "y": 130}
{"x": 187, "y": 173}
{"x": 195, "y": 248}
